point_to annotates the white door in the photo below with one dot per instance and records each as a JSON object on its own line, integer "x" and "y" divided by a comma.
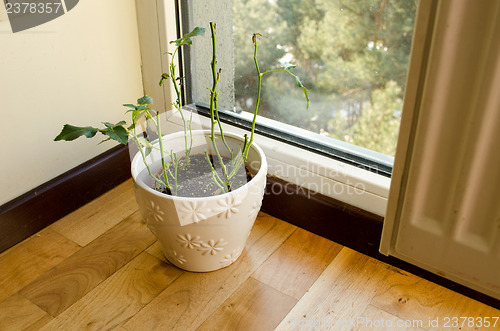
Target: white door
{"x": 444, "y": 205}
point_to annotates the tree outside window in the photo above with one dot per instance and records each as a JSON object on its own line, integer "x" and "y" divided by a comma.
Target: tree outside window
{"x": 352, "y": 55}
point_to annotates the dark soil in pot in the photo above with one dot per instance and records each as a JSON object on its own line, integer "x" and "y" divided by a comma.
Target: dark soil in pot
{"x": 195, "y": 178}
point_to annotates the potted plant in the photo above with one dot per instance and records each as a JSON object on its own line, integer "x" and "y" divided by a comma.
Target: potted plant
{"x": 199, "y": 191}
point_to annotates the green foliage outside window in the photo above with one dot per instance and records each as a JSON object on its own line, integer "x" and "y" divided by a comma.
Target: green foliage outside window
{"x": 351, "y": 54}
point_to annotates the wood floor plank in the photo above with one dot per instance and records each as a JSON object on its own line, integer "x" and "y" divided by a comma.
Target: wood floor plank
{"x": 18, "y": 313}
{"x": 342, "y": 292}
{"x": 408, "y": 297}
{"x": 118, "y": 298}
{"x": 254, "y": 306}
{"x": 156, "y": 251}
{"x": 68, "y": 282}
{"x": 119, "y": 280}
{"x": 376, "y": 319}
{"x": 98, "y": 216}
{"x": 195, "y": 296}
{"x": 26, "y": 261}
{"x": 302, "y": 258}
{"x": 412, "y": 298}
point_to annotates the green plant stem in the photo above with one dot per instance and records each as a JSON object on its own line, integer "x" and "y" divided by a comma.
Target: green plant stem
{"x": 220, "y": 128}
{"x": 213, "y": 91}
{"x": 162, "y": 152}
{"x": 214, "y": 117}
{"x": 257, "y": 102}
{"x": 236, "y": 165}
{"x": 246, "y": 147}
{"x": 137, "y": 143}
{"x": 276, "y": 70}
{"x": 175, "y": 163}
{"x": 215, "y": 176}
{"x": 177, "y": 105}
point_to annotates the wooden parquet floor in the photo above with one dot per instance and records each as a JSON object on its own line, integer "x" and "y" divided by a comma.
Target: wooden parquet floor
{"x": 101, "y": 268}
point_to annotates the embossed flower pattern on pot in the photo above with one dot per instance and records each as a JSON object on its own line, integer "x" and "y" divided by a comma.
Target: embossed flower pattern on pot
{"x": 212, "y": 246}
{"x": 227, "y": 207}
{"x": 257, "y": 204}
{"x": 188, "y": 241}
{"x": 154, "y": 211}
{"x": 255, "y": 209}
{"x": 177, "y": 257}
{"x": 193, "y": 210}
{"x": 232, "y": 257}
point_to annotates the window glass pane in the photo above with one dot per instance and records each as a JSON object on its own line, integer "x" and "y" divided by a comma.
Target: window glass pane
{"x": 352, "y": 55}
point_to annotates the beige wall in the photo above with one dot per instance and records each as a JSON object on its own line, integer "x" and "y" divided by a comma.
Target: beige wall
{"x": 78, "y": 69}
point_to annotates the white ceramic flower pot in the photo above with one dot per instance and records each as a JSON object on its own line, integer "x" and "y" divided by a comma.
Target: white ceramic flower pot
{"x": 206, "y": 233}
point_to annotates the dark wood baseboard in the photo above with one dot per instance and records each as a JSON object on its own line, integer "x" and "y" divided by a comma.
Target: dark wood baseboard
{"x": 40, "y": 207}
{"x": 329, "y": 218}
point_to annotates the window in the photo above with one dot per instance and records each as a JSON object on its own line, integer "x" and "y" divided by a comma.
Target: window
{"x": 352, "y": 55}
{"x": 356, "y": 89}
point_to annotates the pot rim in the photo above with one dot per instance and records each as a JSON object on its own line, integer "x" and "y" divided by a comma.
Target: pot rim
{"x": 263, "y": 166}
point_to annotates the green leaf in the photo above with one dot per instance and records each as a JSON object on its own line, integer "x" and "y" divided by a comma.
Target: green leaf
{"x": 307, "y": 96}
{"x": 70, "y": 132}
{"x": 164, "y": 76}
{"x": 145, "y": 100}
{"x": 186, "y": 39}
{"x": 136, "y": 114}
{"x": 299, "y": 83}
{"x": 112, "y": 126}
{"x": 116, "y": 132}
{"x": 287, "y": 65}
{"x": 146, "y": 145}
{"x": 197, "y": 31}
{"x": 103, "y": 141}
{"x": 136, "y": 107}
{"x": 306, "y": 93}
